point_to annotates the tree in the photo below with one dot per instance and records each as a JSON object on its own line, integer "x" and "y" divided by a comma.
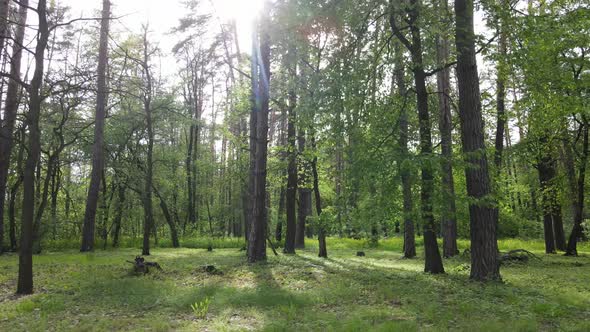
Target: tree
{"x": 433, "y": 262}
{"x": 10, "y": 107}
{"x": 25, "y": 266}
{"x": 98, "y": 147}
{"x": 483, "y": 216}
{"x": 445, "y": 125}
{"x": 258, "y": 226}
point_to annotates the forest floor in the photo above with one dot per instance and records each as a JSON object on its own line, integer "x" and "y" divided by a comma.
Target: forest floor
{"x": 379, "y": 292}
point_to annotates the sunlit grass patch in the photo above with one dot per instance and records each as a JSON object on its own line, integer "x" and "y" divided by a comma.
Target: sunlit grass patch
{"x": 302, "y": 292}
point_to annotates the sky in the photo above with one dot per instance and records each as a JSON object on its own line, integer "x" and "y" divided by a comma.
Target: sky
{"x": 162, "y": 16}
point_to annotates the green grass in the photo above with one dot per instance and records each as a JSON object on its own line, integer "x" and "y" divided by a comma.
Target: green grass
{"x": 379, "y": 292}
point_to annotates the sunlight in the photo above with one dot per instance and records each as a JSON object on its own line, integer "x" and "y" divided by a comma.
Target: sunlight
{"x": 243, "y": 11}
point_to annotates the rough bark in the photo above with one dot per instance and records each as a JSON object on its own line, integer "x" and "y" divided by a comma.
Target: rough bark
{"x": 483, "y": 215}
{"x": 257, "y": 238}
{"x": 98, "y": 147}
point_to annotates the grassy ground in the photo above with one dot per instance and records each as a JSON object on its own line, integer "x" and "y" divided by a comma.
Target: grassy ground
{"x": 85, "y": 292}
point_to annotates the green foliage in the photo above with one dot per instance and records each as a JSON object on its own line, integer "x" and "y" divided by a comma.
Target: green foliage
{"x": 200, "y": 309}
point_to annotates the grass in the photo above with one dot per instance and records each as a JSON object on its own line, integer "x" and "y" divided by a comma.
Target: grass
{"x": 379, "y": 292}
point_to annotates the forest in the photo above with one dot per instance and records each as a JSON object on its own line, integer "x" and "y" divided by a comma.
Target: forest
{"x": 294, "y": 165}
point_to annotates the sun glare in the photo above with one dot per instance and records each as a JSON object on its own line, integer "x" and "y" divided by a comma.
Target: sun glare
{"x": 243, "y": 11}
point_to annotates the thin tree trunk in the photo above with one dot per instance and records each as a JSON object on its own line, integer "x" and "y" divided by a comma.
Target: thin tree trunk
{"x": 118, "y": 214}
{"x": 290, "y": 238}
{"x": 148, "y": 223}
{"x": 304, "y": 195}
{"x": 483, "y": 215}
{"x": 25, "y": 271}
{"x": 98, "y": 147}
{"x": 322, "y": 248}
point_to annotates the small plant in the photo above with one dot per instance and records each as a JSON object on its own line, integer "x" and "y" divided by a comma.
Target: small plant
{"x": 200, "y": 309}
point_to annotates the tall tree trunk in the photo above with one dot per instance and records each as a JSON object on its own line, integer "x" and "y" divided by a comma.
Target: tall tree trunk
{"x": 443, "y": 79}
{"x": 290, "y": 238}
{"x": 118, "y": 214}
{"x": 433, "y": 260}
{"x": 404, "y": 164}
{"x": 25, "y": 268}
{"x": 322, "y": 248}
{"x": 281, "y": 215}
{"x": 148, "y": 223}
{"x": 304, "y": 194}
{"x": 483, "y": 215}
{"x": 98, "y": 147}
{"x": 10, "y": 107}
{"x": 572, "y": 249}
{"x": 257, "y": 239}
{"x": 547, "y": 172}
{"x": 254, "y": 115}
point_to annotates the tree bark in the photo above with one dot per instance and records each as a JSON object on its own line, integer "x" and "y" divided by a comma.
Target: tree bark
{"x": 25, "y": 271}
{"x": 118, "y": 214}
{"x": 257, "y": 238}
{"x": 290, "y": 238}
{"x": 404, "y": 165}
{"x": 547, "y": 172}
{"x": 443, "y": 79}
{"x": 10, "y": 108}
{"x": 98, "y": 147}
{"x": 148, "y": 223}
{"x": 483, "y": 215}
{"x": 433, "y": 261}
{"x": 304, "y": 194}
{"x": 322, "y": 248}
{"x": 572, "y": 249}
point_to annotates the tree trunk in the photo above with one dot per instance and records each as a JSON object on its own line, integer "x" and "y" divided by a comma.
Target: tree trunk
{"x": 547, "y": 172}
{"x": 10, "y": 108}
{"x": 322, "y": 249}
{"x": 576, "y": 233}
{"x": 483, "y": 215}
{"x": 148, "y": 212}
{"x": 257, "y": 239}
{"x": 25, "y": 271}
{"x": 304, "y": 195}
{"x": 169, "y": 220}
{"x": 98, "y": 147}
{"x": 290, "y": 238}
{"x": 443, "y": 78}
{"x": 281, "y": 215}
{"x": 118, "y": 215}
{"x": 404, "y": 164}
